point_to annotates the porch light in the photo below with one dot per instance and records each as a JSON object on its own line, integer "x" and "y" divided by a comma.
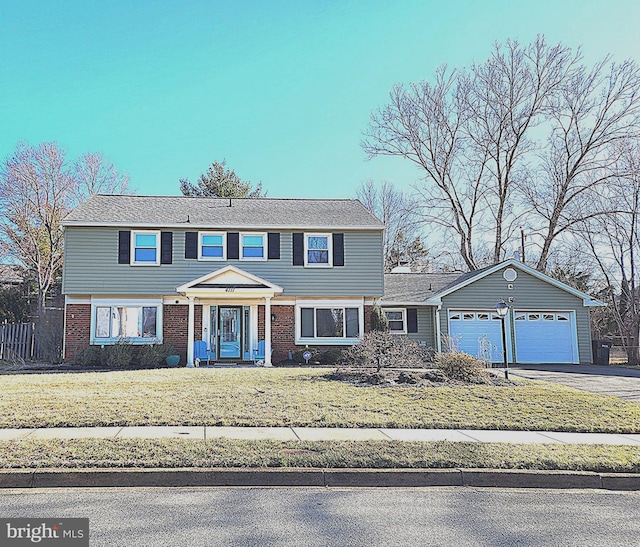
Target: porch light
{"x": 502, "y": 309}
{"x": 273, "y": 317}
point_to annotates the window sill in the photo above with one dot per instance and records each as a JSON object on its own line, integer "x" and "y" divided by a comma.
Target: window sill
{"x": 129, "y": 341}
{"x": 326, "y": 341}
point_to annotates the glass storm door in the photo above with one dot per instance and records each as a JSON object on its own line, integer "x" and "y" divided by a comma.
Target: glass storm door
{"x": 230, "y": 325}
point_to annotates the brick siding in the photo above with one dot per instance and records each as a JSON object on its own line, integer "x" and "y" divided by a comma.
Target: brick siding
{"x": 77, "y": 329}
{"x": 175, "y": 324}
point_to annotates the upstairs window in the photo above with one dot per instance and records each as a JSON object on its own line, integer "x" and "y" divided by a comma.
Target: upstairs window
{"x": 212, "y": 246}
{"x": 253, "y": 246}
{"x": 145, "y": 248}
{"x": 317, "y": 250}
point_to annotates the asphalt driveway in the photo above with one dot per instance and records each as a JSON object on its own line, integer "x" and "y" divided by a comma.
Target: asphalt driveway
{"x": 616, "y": 381}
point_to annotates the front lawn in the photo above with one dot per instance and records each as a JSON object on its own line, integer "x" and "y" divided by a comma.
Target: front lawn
{"x": 297, "y": 397}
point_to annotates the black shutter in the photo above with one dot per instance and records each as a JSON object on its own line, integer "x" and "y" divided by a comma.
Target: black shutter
{"x": 233, "y": 246}
{"x": 166, "y": 247}
{"x": 124, "y": 246}
{"x": 191, "y": 245}
{"x": 412, "y": 320}
{"x": 274, "y": 246}
{"x": 338, "y": 249}
{"x": 298, "y": 249}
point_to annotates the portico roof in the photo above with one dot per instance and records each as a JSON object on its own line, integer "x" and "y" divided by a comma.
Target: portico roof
{"x": 230, "y": 282}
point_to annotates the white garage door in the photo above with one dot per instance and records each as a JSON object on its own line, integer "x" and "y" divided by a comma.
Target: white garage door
{"x": 545, "y": 337}
{"x": 478, "y": 333}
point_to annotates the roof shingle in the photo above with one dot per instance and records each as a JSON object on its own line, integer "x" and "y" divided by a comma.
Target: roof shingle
{"x": 173, "y": 211}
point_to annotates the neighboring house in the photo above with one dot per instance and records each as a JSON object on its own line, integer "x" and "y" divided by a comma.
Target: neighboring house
{"x": 239, "y": 274}
{"x": 11, "y": 276}
{"x": 547, "y": 321}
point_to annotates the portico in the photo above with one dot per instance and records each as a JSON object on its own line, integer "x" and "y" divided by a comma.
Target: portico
{"x": 230, "y": 298}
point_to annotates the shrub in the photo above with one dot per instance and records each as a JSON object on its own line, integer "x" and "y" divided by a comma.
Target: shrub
{"x": 153, "y": 355}
{"x": 91, "y": 355}
{"x": 331, "y": 356}
{"x": 381, "y": 349}
{"x": 461, "y": 366}
{"x": 379, "y": 321}
{"x": 119, "y": 354}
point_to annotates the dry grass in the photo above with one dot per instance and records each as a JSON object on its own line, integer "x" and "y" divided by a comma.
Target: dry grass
{"x": 173, "y": 453}
{"x": 297, "y": 397}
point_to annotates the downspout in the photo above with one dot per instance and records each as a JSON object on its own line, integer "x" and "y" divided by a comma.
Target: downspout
{"x": 436, "y": 321}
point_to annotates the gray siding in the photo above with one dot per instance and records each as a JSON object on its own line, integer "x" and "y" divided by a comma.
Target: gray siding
{"x": 425, "y": 327}
{"x": 529, "y": 293}
{"x": 426, "y": 331}
{"x": 91, "y": 267}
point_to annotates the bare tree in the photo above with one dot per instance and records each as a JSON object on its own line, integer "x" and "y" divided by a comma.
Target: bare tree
{"x": 612, "y": 240}
{"x": 95, "y": 174}
{"x": 36, "y": 192}
{"x": 424, "y": 124}
{"x": 472, "y": 133}
{"x": 402, "y": 243}
{"x": 595, "y": 111}
{"x": 37, "y": 189}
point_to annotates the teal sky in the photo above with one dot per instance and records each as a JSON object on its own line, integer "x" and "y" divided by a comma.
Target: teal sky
{"x": 281, "y": 89}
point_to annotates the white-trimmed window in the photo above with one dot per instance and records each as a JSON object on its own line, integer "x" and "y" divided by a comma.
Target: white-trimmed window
{"x": 318, "y": 252}
{"x": 397, "y": 319}
{"x": 329, "y": 323}
{"x": 253, "y": 246}
{"x": 137, "y": 321}
{"x": 212, "y": 246}
{"x": 145, "y": 248}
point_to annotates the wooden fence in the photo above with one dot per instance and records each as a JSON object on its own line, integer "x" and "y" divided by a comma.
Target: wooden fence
{"x": 18, "y": 342}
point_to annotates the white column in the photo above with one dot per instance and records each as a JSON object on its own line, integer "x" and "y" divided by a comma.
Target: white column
{"x": 190, "y": 331}
{"x": 267, "y": 331}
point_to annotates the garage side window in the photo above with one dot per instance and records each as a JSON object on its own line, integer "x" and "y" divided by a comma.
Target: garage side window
{"x": 397, "y": 319}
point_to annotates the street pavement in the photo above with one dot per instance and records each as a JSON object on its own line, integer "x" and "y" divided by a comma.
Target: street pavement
{"x": 607, "y": 380}
{"x": 348, "y": 517}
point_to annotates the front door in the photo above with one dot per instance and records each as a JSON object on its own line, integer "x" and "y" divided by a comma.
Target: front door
{"x": 230, "y": 325}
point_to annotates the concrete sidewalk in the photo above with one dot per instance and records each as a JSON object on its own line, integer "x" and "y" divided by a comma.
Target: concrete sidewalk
{"x": 321, "y": 434}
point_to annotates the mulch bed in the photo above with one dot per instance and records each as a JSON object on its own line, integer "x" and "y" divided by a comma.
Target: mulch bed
{"x": 407, "y": 378}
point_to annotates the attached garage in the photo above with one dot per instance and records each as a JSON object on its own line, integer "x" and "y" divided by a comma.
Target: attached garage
{"x": 545, "y": 337}
{"x": 547, "y": 321}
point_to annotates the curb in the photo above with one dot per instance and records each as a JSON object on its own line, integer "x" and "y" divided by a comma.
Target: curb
{"x": 315, "y": 477}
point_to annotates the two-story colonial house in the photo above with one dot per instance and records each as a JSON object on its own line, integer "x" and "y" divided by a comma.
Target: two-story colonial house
{"x": 249, "y": 277}
{"x": 235, "y": 273}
